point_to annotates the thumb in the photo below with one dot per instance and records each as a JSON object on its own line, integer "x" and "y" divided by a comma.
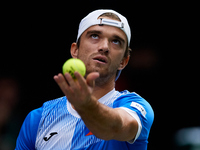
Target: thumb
{"x": 91, "y": 78}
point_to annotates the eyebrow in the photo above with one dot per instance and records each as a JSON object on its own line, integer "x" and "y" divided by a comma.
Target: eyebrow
{"x": 94, "y": 32}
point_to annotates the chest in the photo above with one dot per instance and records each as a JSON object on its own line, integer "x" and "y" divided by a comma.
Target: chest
{"x": 62, "y": 130}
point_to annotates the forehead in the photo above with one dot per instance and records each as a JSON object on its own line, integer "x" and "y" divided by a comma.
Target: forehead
{"x": 107, "y": 30}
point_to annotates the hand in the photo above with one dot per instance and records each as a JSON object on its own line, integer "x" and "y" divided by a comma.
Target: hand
{"x": 78, "y": 91}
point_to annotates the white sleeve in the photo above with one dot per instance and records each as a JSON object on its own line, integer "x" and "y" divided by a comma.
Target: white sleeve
{"x": 135, "y": 116}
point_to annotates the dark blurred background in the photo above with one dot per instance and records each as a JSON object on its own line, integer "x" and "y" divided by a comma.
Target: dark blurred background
{"x": 36, "y": 39}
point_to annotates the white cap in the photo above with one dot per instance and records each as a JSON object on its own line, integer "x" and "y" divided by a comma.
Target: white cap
{"x": 92, "y": 19}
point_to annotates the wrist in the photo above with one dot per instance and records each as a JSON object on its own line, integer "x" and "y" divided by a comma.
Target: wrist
{"x": 91, "y": 105}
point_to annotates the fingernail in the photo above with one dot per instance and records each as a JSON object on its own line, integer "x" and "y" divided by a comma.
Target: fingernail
{"x": 66, "y": 75}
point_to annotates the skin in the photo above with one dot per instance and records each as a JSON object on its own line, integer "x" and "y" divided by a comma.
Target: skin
{"x": 104, "y": 122}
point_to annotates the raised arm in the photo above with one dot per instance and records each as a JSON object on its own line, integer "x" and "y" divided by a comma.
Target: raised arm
{"x": 104, "y": 122}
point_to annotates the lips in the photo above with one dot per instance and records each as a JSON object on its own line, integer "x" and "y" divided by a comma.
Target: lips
{"x": 101, "y": 59}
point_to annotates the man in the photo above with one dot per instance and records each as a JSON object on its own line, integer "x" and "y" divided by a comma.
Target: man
{"x": 92, "y": 114}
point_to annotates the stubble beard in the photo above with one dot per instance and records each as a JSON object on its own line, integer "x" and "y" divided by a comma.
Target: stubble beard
{"x": 106, "y": 75}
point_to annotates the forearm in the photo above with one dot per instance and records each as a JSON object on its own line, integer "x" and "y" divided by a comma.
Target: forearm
{"x": 104, "y": 122}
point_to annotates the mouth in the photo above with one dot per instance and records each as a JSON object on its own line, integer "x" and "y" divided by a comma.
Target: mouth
{"x": 101, "y": 59}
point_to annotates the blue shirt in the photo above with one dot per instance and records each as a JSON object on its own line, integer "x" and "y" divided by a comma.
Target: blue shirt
{"x": 56, "y": 125}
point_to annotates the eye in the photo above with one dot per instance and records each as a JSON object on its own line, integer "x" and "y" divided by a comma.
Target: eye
{"x": 94, "y": 36}
{"x": 117, "y": 42}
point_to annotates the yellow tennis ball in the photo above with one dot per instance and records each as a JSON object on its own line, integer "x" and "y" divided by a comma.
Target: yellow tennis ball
{"x": 72, "y": 65}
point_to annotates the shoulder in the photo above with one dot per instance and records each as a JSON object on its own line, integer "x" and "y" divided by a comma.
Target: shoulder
{"x": 51, "y": 105}
{"x": 138, "y": 104}
{"x": 27, "y": 135}
{"x": 32, "y": 120}
{"x": 133, "y": 100}
{"x": 28, "y": 132}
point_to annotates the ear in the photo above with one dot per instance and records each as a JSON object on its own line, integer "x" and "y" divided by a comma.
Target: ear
{"x": 74, "y": 50}
{"x": 124, "y": 62}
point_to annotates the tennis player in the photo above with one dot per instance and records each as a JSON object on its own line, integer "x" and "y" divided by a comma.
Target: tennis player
{"x": 92, "y": 115}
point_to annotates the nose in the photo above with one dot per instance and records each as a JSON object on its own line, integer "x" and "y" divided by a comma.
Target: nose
{"x": 104, "y": 46}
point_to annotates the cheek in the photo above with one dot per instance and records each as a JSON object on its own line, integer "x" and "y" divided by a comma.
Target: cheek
{"x": 82, "y": 56}
{"x": 116, "y": 62}
{"x": 84, "y": 53}
{"x": 85, "y": 48}
{"x": 118, "y": 57}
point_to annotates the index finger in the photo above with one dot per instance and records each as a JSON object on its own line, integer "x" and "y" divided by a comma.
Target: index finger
{"x": 62, "y": 83}
{"x": 81, "y": 80}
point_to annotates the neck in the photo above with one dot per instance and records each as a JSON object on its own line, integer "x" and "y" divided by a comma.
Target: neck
{"x": 103, "y": 87}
